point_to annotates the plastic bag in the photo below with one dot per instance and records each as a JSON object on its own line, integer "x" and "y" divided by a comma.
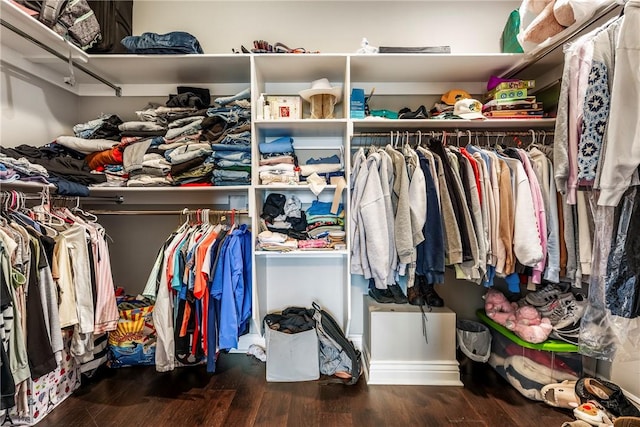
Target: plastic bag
{"x": 613, "y": 292}
{"x": 509, "y": 39}
{"x": 474, "y": 340}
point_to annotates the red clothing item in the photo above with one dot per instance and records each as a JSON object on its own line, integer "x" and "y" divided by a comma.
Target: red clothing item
{"x": 99, "y": 159}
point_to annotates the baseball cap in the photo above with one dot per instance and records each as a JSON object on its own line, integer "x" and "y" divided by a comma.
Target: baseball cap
{"x": 468, "y": 109}
{"x": 454, "y": 95}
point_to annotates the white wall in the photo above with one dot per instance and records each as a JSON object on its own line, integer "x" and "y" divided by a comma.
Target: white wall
{"x": 330, "y": 26}
{"x": 33, "y": 111}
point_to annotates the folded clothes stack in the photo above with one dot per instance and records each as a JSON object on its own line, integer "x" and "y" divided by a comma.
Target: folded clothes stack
{"x": 325, "y": 167}
{"x": 277, "y": 162}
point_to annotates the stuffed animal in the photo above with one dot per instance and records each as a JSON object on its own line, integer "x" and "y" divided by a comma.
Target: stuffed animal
{"x": 529, "y": 325}
{"x": 541, "y": 19}
{"x": 498, "y": 308}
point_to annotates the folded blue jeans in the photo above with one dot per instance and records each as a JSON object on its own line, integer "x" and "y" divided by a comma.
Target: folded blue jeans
{"x": 232, "y": 155}
{"x": 231, "y": 147}
{"x": 280, "y": 145}
{"x": 176, "y": 42}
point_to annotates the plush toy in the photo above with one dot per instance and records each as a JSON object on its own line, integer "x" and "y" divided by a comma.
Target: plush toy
{"x": 529, "y": 325}
{"x": 541, "y": 19}
{"x": 498, "y": 308}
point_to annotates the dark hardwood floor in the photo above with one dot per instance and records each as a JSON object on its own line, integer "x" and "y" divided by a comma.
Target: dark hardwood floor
{"x": 238, "y": 395}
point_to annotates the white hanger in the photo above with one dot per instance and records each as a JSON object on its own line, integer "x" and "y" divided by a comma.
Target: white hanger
{"x": 90, "y": 216}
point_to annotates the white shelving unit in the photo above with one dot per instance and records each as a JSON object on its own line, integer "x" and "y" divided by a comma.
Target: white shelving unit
{"x": 280, "y": 279}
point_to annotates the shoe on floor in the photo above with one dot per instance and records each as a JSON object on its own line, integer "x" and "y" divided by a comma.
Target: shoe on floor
{"x": 576, "y": 423}
{"x": 607, "y": 394}
{"x": 561, "y": 395}
{"x": 627, "y": 422}
{"x": 593, "y": 413}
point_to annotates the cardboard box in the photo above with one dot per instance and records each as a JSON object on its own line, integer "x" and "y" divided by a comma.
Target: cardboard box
{"x": 292, "y": 357}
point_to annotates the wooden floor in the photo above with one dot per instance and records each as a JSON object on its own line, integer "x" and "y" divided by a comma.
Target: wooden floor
{"x": 238, "y": 395}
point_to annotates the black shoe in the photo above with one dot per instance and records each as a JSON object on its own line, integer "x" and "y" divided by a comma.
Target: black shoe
{"x": 398, "y": 295}
{"x": 431, "y": 296}
{"x": 383, "y": 296}
{"x": 415, "y": 295}
{"x": 420, "y": 113}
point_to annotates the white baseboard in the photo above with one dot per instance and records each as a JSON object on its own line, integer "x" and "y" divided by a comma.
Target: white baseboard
{"x": 428, "y": 372}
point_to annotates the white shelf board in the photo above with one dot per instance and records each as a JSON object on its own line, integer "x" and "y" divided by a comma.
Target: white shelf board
{"x": 172, "y": 69}
{"x": 180, "y": 196}
{"x": 21, "y": 20}
{"x": 302, "y": 127}
{"x": 300, "y": 68}
{"x": 433, "y": 68}
{"x": 363, "y": 125}
{"x": 293, "y": 187}
{"x": 168, "y": 189}
{"x": 299, "y": 253}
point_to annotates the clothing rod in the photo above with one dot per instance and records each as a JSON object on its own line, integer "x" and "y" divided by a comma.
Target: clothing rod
{"x": 55, "y": 53}
{"x": 181, "y": 212}
{"x": 454, "y": 133}
{"x": 117, "y": 199}
{"x": 553, "y": 46}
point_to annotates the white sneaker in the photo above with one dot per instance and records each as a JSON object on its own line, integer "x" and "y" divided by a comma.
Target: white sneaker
{"x": 574, "y": 312}
{"x": 543, "y": 296}
{"x": 556, "y": 308}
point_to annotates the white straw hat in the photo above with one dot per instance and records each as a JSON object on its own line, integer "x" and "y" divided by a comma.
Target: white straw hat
{"x": 321, "y": 86}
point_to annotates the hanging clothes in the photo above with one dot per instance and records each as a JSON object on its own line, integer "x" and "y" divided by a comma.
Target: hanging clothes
{"x": 201, "y": 284}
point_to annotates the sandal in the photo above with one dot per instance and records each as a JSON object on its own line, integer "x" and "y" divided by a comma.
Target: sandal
{"x": 627, "y": 422}
{"x": 561, "y": 395}
{"x": 607, "y": 394}
{"x": 593, "y": 413}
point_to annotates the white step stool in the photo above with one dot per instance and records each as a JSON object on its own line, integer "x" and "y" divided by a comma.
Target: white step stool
{"x": 395, "y": 351}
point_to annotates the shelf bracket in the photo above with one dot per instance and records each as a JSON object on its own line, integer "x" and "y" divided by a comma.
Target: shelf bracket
{"x": 117, "y": 89}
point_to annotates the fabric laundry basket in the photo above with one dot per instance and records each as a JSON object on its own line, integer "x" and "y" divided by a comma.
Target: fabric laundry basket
{"x": 474, "y": 340}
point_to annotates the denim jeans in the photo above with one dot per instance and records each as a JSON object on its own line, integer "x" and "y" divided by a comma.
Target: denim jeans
{"x": 187, "y": 129}
{"x": 176, "y": 42}
{"x": 231, "y": 163}
{"x": 230, "y": 114}
{"x": 280, "y": 145}
{"x": 232, "y": 155}
{"x": 225, "y": 175}
{"x": 245, "y": 94}
{"x": 231, "y": 147}
{"x": 242, "y": 138}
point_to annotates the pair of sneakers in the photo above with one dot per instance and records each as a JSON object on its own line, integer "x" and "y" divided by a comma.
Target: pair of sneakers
{"x": 545, "y": 295}
{"x": 567, "y": 309}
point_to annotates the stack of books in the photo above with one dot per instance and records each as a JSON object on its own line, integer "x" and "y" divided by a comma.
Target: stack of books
{"x": 509, "y": 100}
